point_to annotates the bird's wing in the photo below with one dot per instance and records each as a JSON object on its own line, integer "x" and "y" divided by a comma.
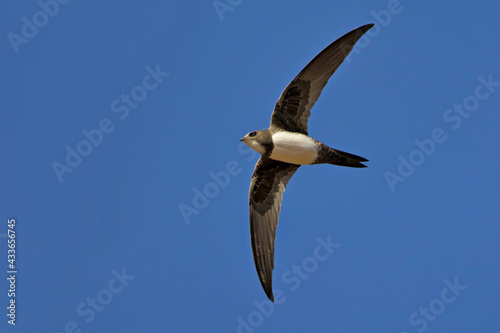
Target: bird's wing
{"x": 294, "y": 106}
{"x": 269, "y": 180}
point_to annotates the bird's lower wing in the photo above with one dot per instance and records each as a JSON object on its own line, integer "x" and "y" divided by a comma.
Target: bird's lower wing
{"x": 269, "y": 181}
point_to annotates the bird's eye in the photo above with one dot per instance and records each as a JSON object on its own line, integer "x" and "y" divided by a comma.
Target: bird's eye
{"x": 252, "y": 134}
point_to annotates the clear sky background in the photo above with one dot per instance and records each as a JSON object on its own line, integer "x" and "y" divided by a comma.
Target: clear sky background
{"x": 102, "y": 245}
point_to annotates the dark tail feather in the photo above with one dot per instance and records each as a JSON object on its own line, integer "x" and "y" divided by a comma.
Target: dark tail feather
{"x": 350, "y": 160}
{"x": 339, "y": 157}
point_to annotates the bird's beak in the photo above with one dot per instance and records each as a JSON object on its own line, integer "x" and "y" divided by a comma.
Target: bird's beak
{"x": 242, "y": 139}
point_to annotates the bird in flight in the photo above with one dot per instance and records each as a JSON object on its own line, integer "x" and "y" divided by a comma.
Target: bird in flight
{"x": 286, "y": 145}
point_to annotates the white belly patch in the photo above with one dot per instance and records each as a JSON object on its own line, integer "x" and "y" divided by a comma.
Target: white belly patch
{"x": 294, "y": 148}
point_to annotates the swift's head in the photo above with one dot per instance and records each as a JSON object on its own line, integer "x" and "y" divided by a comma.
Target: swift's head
{"x": 260, "y": 141}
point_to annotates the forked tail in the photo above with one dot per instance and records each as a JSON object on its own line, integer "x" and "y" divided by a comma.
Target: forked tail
{"x": 338, "y": 157}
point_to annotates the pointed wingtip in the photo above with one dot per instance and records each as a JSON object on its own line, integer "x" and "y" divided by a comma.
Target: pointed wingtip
{"x": 268, "y": 289}
{"x": 270, "y": 296}
{"x": 365, "y": 28}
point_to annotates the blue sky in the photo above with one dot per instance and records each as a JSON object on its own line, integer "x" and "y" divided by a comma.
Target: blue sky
{"x": 114, "y": 117}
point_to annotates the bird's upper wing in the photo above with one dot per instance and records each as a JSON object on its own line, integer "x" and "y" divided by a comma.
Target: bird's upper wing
{"x": 294, "y": 106}
{"x": 269, "y": 180}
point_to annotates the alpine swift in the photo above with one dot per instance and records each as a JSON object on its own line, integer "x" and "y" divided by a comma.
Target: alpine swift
{"x": 286, "y": 145}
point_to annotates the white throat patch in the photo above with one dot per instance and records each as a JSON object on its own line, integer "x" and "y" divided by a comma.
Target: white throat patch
{"x": 256, "y": 146}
